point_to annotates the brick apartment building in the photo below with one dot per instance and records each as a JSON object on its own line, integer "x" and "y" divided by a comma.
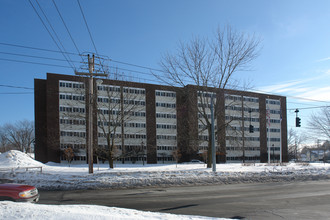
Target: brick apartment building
{"x": 162, "y": 120}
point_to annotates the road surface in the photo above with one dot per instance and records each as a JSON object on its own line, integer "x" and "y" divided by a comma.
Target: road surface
{"x": 296, "y": 200}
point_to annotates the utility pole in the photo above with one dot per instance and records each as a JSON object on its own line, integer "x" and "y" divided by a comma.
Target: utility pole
{"x": 214, "y": 169}
{"x": 91, "y": 73}
{"x": 268, "y": 127}
{"x": 243, "y": 130}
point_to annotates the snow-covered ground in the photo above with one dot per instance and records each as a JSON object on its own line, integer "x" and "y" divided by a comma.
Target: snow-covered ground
{"x": 11, "y": 210}
{"x": 58, "y": 176}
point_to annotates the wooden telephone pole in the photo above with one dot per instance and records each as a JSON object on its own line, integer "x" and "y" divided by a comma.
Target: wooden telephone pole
{"x": 91, "y": 73}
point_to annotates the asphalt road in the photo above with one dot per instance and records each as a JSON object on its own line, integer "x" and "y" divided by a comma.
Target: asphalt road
{"x": 297, "y": 200}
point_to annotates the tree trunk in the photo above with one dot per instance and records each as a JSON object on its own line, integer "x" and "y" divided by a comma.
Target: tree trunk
{"x": 110, "y": 159}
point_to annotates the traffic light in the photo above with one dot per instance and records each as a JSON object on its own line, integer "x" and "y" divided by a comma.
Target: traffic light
{"x": 298, "y": 123}
{"x": 251, "y": 129}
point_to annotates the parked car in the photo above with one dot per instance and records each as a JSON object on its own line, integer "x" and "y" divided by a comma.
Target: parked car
{"x": 196, "y": 161}
{"x": 18, "y": 192}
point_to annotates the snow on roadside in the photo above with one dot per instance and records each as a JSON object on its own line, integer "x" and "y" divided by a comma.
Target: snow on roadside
{"x": 61, "y": 177}
{"x": 13, "y": 211}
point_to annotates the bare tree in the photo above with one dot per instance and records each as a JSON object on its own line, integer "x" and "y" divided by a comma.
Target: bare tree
{"x": 68, "y": 154}
{"x": 117, "y": 108}
{"x": 294, "y": 141}
{"x": 4, "y": 144}
{"x": 207, "y": 63}
{"x": 320, "y": 123}
{"x": 20, "y": 135}
{"x": 135, "y": 152}
{"x": 176, "y": 155}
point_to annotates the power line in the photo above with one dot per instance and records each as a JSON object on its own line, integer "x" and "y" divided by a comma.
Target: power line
{"x": 44, "y": 64}
{"x": 71, "y": 53}
{"x": 16, "y": 93}
{"x": 47, "y": 58}
{"x": 36, "y": 48}
{"x": 35, "y": 10}
{"x": 90, "y": 34}
{"x": 56, "y": 35}
{"x": 16, "y": 87}
{"x": 143, "y": 67}
{"x": 139, "y": 66}
{"x": 325, "y": 106}
{"x": 67, "y": 29}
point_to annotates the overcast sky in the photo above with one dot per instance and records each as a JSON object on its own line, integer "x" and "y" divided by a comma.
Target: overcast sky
{"x": 294, "y": 60}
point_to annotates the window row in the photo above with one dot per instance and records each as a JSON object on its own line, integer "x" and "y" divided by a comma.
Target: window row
{"x": 274, "y": 130}
{"x": 166, "y": 137}
{"x": 239, "y": 98}
{"x": 108, "y": 88}
{"x": 204, "y": 127}
{"x": 234, "y": 138}
{"x": 275, "y": 112}
{"x": 136, "y": 148}
{"x": 234, "y": 128}
{"x": 134, "y": 91}
{"x": 245, "y": 148}
{"x": 275, "y": 149}
{"x": 118, "y": 112}
{"x": 165, "y": 115}
{"x": 166, "y": 126}
{"x": 274, "y": 139}
{"x": 72, "y": 85}
{"x": 255, "y": 158}
{"x": 275, "y": 121}
{"x": 273, "y": 102}
{"x": 118, "y": 124}
{"x": 166, "y": 94}
{"x": 239, "y": 118}
{"x": 162, "y": 158}
{"x": 117, "y": 89}
{"x": 73, "y": 134}
{"x": 75, "y": 158}
{"x": 72, "y": 109}
{"x": 206, "y": 94}
{"x": 118, "y": 101}
{"x": 126, "y": 136}
{"x": 72, "y": 121}
{"x": 165, "y": 105}
{"x": 72, "y": 97}
{"x": 170, "y": 148}
{"x": 73, "y": 146}
{"x": 239, "y": 108}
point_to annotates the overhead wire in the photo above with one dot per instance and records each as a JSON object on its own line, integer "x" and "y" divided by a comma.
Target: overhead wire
{"x": 35, "y": 10}
{"x": 38, "y": 57}
{"x": 139, "y": 66}
{"x": 44, "y": 64}
{"x": 36, "y": 48}
{"x": 15, "y": 87}
{"x": 66, "y": 27}
{"x": 90, "y": 34}
{"x": 55, "y": 33}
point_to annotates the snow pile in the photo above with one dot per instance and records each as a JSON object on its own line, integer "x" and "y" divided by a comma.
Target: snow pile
{"x": 62, "y": 177}
{"x": 11, "y": 210}
{"x": 16, "y": 158}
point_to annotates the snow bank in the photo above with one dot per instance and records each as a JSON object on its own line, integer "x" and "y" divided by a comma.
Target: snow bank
{"x": 61, "y": 177}
{"x": 12, "y": 211}
{"x": 16, "y": 158}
